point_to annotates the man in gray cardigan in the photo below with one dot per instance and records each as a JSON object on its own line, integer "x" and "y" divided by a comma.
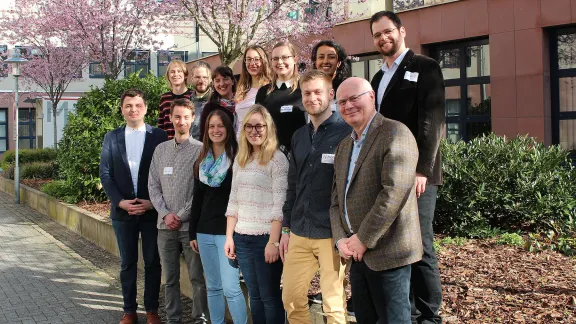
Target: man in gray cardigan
{"x": 171, "y": 184}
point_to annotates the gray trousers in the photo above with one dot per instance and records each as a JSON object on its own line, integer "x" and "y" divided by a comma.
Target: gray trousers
{"x": 170, "y": 245}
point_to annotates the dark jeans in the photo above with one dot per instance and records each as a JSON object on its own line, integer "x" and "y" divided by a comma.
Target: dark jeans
{"x": 262, "y": 279}
{"x": 127, "y": 233}
{"x": 425, "y": 281}
{"x": 381, "y": 297}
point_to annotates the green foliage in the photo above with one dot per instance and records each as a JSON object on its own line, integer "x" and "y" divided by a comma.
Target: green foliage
{"x": 551, "y": 241}
{"x": 513, "y": 239}
{"x": 27, "y": 156}
{"x": 34, "y": 170}
{"x": 512, "y": 184}
{"x": 446, "y": 241}
{"x": 60, "y": 189}
{"x": 98, "y": 112}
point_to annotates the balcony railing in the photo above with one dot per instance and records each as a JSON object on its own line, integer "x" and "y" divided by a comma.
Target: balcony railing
{"x": 405, "y": 5}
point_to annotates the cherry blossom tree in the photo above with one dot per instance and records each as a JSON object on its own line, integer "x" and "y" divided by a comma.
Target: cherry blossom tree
{"x": 233, "y": 25}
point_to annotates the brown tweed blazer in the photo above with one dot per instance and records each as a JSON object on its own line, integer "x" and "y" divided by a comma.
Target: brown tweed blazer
{"x": 381, "y": 200}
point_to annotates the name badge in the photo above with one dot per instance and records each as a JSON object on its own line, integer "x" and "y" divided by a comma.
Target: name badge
{"x": 168, "y": 170}
{"x": 285, "y": 109}
{"x": 328, "y": 158}
{"x": 411, "y": 76}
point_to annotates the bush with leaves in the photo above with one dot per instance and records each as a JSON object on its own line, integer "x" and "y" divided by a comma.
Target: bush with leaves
{"x": 98, "y": 112}
{"x": 512, "y": 184}
{"x": 60, "y": 189}
{"x": 28, "y": 156}
{"x": 34, "y": 170}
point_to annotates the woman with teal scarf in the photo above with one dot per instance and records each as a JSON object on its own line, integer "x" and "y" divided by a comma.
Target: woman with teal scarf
{"x": 212, "y": 187}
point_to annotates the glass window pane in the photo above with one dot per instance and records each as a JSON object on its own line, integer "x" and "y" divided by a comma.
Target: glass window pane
{"x": 453, "y": 101}
{"x": 373, "y": 67}
{"x": 3, "y": 131}
{"x": 478, "y": 61}
{"x": 358, "y": 69}
{"x": 24, "y": 143}
{"x": 449, "y": 60}
{"x": 568, "y": 134}
{"x": 453, "y": 132}
{"x": 478, "y": 129}
{"x": 24, "y": 131}
{"x": 162, "y": 70}
{"x": 3, "y": 145}
{"x": 3, "y": 113}
{"x": 479, "y": 100}
{"x": 567, "y": 51}
{"x": 567, "y": 94}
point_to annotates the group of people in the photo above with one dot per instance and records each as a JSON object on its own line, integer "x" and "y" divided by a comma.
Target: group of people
{"x": 279, "y": 176}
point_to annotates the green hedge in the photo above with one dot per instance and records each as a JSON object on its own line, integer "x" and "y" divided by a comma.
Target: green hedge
{"x": 34, "y": 170}
{"x": 98, "y": 112}
{"x": 60, "y": 189}
{"x": 28, "y": 156}
{"x": 512, "y": 184}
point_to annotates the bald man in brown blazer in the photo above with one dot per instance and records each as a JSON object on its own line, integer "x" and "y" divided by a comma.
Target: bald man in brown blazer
{"x": 374, "y": 212}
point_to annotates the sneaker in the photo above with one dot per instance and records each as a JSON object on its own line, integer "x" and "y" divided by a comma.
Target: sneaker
{"x": 315, "y": 299}
{"x": 350, "y": 308}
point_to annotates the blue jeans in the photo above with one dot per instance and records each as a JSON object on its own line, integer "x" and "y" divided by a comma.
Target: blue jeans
{"x": 222, "y": 279}
{"x": 262, "y": 279}
{"x": 127, "y": 234}
{"x": 381, "y": 297}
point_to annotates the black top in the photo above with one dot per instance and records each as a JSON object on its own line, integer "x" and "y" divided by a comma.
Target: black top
{"x": 286, "y": 110}
{"x": 209, "y": 207}
{"x": 307, "y": 207}
{"x": 418, "y": 102}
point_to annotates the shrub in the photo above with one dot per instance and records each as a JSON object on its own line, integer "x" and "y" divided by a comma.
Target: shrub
{"x": 34, "y": 170}
{"x": 98, "y": 112}
{"x": 60, "y": 189}
{"x": 28, "y": 156}
{"x": 513, "y": 239}
{"x": 511, "y": 184}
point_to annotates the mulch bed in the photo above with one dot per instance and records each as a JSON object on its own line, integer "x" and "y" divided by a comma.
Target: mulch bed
{"x": 34, "y": 183}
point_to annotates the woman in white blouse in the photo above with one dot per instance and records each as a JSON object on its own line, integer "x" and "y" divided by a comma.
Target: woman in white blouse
{"x": 259, "y": 183}
{"x": 255, "y": 74}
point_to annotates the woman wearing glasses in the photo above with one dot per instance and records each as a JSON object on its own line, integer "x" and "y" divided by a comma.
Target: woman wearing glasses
{"x": 255, "y": 74}
{"x": 224, "y": 87}
{"x": 259, "y": 184}
{"x": 282, "y": 97}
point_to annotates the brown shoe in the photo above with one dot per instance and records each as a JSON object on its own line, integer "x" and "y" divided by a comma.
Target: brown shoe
{"x": 153, "y": 318}
{"x": 129, "y": 318}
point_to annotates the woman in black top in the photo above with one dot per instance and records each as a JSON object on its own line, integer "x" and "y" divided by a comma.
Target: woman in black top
{"x": 282, "y": 97}
{"x": 212, "y": 185}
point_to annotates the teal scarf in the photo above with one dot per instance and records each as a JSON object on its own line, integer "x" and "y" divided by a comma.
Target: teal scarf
{"x": 212, "y": 172}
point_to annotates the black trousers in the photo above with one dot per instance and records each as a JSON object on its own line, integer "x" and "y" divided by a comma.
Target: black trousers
{"x": 426, "y": 288}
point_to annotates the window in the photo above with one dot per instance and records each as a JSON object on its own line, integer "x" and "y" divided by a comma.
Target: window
{"x": 3, "y": 67}
{"x": 95, "y": 70}
{"x": 367, "y": 66}
{"x": 28, "y": 52}
{"x": 165, "y": 57}
{"x": 563, "y": 84}
{"x": 3, "y": 129}
{"x": 136, "y": 61}
{"x": 26, "y": 128}
{"x": 468, "y": 93}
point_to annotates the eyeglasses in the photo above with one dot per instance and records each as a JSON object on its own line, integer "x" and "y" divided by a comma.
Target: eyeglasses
{"x": 284, "y": 58}
{"x": 385, "y": 32}
{"x": 259, "y": 128}
{"x": 352, "y": 99}
{"x": 250, "y": 60}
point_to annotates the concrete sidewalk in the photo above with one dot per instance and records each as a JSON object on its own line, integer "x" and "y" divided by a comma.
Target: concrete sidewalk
{"x": 44, "y": 281}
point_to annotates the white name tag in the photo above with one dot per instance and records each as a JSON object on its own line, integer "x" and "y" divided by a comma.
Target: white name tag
{"x": 285, "y": 109}
{"x": 168, "y": 170}
{"x": 411, "y": 76}
{"x": 328, "y": 158}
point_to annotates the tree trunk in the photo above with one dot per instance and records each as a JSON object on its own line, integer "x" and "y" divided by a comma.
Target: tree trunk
{"x": 54, "y": 111}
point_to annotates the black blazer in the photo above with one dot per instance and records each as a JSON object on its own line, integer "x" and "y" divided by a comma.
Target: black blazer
{"x": 420, "y": 106}
{"x": 115, "y": 172}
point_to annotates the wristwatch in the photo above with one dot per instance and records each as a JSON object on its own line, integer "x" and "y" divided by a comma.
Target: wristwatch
{"x": 276, "y": 244}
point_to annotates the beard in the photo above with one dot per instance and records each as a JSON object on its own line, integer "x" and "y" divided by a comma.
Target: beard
{"x": 391, "y": 51}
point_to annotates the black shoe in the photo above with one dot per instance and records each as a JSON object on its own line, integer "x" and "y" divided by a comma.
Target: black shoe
{"x": 315, "y": 299}
{"x": 350, "y": 308}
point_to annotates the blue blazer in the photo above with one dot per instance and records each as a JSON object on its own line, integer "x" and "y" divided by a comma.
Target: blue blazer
{"x": 115, "y": 172}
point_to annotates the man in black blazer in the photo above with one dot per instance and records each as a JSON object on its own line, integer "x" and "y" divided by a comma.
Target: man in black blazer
{"x": 124, "y": 164}
{"x": 410, "y": 89}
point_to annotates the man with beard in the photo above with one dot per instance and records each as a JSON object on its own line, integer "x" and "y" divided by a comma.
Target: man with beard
{"x": 410, "y": 89}
{"x": 202, "y": 83}
{"x": 306, "y": 245}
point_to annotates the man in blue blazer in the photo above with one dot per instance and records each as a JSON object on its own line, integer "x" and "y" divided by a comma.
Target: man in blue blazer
{"x": 124, "y": 164}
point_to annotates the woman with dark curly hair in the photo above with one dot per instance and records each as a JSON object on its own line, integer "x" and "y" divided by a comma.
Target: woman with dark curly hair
{"x": 331, "y": 58}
